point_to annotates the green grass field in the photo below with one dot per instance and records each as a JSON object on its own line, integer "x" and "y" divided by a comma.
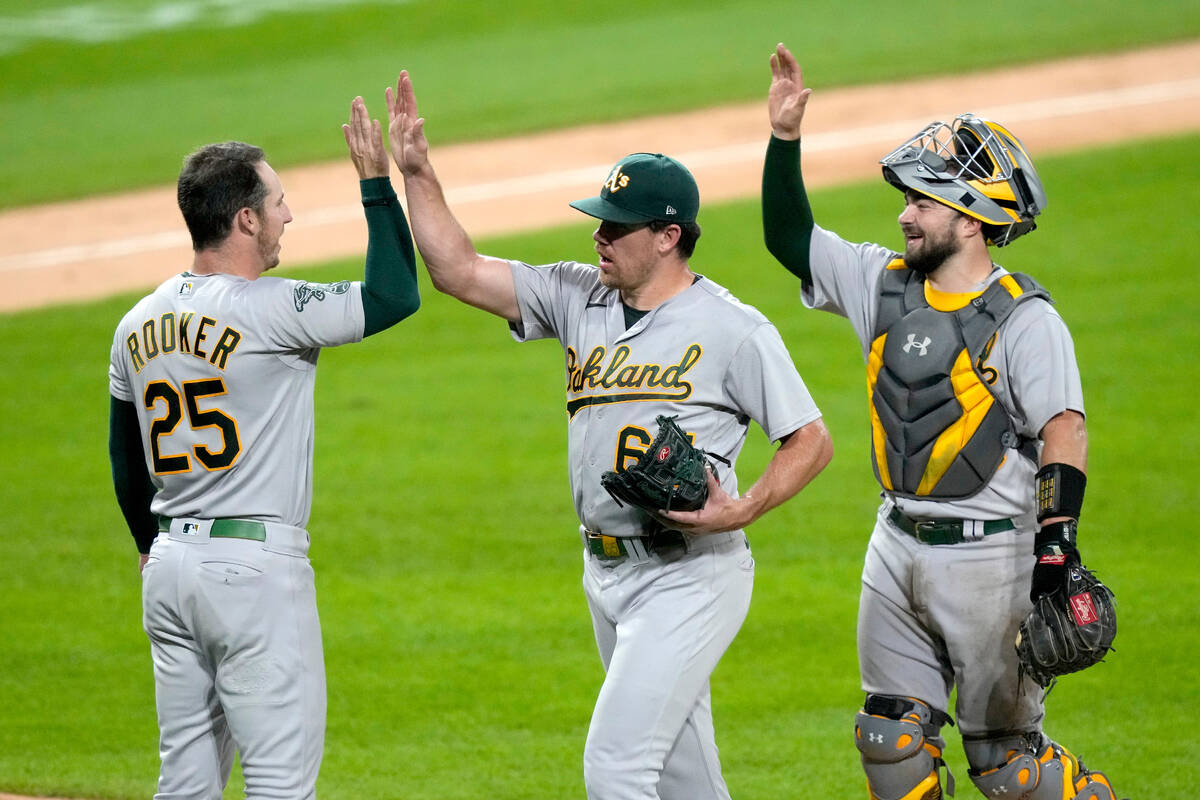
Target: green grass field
{"x": 83, "y": 116}
{"x": 458, "y": 645}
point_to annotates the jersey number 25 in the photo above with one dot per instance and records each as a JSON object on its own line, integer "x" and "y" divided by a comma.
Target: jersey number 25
{"x": 176, "y": 402}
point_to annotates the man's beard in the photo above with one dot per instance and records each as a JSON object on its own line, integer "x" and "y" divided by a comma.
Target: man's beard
{"x": 267, "y": 251}
{"x": 932, "y": 254}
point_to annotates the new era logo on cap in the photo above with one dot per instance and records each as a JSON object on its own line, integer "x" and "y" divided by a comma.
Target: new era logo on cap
{"x": 643, "y": 187}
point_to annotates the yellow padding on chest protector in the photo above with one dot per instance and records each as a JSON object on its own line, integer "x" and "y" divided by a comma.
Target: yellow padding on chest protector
{"x": 976, "y": 401}
{"x": 878, "y": 435}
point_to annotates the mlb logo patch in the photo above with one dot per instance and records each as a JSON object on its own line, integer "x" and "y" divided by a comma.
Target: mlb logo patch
{"x": 1084, "y": 609}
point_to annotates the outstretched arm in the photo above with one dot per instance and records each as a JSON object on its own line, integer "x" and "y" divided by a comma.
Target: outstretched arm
{"x": 390, "y": 276}
{"x": 800, "y": 457}
{"x": 787, "y": 217}
{"x": 453, "y": 263}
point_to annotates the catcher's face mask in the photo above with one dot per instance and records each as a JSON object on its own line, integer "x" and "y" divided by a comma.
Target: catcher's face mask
{"x": 974, "y": 166}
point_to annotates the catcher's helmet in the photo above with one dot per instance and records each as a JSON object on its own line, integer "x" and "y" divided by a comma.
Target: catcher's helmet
{"x": 975, "y": 166}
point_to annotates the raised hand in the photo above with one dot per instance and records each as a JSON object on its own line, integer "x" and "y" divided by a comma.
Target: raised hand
{"x": 364, "y": 137}
{"x": 406, "y": 129}
{"x": 788, "y": 97}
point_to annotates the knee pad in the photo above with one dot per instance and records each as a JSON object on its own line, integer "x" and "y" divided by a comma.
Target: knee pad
{"x": 1033, "y": 768}
{"x": 901, "y": 749}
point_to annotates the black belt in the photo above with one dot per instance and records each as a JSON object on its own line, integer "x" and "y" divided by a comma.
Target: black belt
{"x": 611, "y": 548}
{"x": 227, "y": 529}
{"x": 942, "y": 531}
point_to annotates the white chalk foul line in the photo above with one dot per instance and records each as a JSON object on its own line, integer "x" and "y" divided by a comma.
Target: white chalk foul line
{"x": 1050, "y": 108}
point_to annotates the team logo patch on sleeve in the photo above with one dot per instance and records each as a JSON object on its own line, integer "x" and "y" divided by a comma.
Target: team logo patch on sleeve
{"x": 306, "y": 292}
{"x": 664, "y": 453}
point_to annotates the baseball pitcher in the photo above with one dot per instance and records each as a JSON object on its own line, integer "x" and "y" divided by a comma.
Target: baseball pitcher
{"x": 978, "y": 442}
{"x": 648, "y": 346}
{"x": 211, "y": 442}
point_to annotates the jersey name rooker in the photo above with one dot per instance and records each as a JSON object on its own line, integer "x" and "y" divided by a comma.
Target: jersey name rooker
{"x": 594, "y": 374}
{"x": 172, "y": 333}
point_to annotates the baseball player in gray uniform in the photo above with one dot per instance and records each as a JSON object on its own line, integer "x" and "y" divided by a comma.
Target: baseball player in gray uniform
{"x": 211, "y": 442}
{"x": 642, "y": 335}
{"x": 976, "y": 406}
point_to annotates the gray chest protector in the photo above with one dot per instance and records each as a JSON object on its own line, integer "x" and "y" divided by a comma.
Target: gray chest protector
{"x": 938, "y": 430}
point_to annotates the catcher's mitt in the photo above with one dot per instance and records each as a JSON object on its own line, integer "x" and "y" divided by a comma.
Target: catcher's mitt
{"x": 1069, "y": 629}
{"x": 668, "y": 477}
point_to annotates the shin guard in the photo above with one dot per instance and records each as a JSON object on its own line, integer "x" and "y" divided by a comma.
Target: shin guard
{"x": 901, "y": 749}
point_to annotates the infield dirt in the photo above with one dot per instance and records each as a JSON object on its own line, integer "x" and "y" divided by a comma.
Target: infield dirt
{"x": 99, "y": 246}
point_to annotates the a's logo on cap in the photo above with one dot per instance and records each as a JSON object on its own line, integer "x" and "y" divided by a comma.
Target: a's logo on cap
{"x": 617, "y": 180}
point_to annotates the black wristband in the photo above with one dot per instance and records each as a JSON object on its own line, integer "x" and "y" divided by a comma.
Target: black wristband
{"x": 1057, "y": 535}
{"x": 1059, "y": 491}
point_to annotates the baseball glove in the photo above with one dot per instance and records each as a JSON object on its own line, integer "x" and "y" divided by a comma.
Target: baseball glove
{"x": 668, "y": 477}
{"x": 1069, "y": 629}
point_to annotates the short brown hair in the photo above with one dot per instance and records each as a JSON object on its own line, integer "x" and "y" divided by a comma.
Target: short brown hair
{"x": 689, "y": 232}
{"x": 216, "y": 182}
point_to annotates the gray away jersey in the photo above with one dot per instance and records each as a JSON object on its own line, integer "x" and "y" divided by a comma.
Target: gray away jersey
{"x": 702, "y": 356}
{"x": 221, "y": 370}
{"x": 1033, "y": 356}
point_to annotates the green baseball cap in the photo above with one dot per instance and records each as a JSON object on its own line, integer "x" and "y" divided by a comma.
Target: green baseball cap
{"x": 643, "y": 187}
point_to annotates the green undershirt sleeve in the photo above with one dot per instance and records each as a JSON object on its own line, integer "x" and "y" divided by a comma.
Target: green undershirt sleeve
{"x": 787, "y": 217}
{"x": 389, "y": 292}
{"x": 131, "y": 479}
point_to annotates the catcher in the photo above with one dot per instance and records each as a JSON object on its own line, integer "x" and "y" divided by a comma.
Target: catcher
{"x": 979, "y": 443}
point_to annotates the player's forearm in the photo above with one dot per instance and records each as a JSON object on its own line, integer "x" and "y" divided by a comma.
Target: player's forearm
{"x": 131, "y": 480}
{"x": 390, "y": 281}
{"x": 799, "y": 459}
{"x": 444, "y": 245}
{"x": 787, "y": 216}
{"x": 1064, "y": 441}
{"x": 455, "y": 267}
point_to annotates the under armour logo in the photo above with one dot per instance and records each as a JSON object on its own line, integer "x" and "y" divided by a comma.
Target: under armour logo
{"x": 1000, "y": 791}
{"x": 877, "y": 738}
{"x": 912, "y": 342}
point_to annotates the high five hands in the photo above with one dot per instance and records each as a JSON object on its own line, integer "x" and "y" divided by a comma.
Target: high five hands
{"x": 364, "y": 137}
{"x": 787, "y": 97}
{"x": 406, "y": 127}
{"x": 406, "y": 133}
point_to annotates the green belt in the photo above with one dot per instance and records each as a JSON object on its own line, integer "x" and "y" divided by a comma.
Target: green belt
{"x": 611, "y": 548}
{"x": 227, "y": 529}
{"x": 947, "y": 531}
